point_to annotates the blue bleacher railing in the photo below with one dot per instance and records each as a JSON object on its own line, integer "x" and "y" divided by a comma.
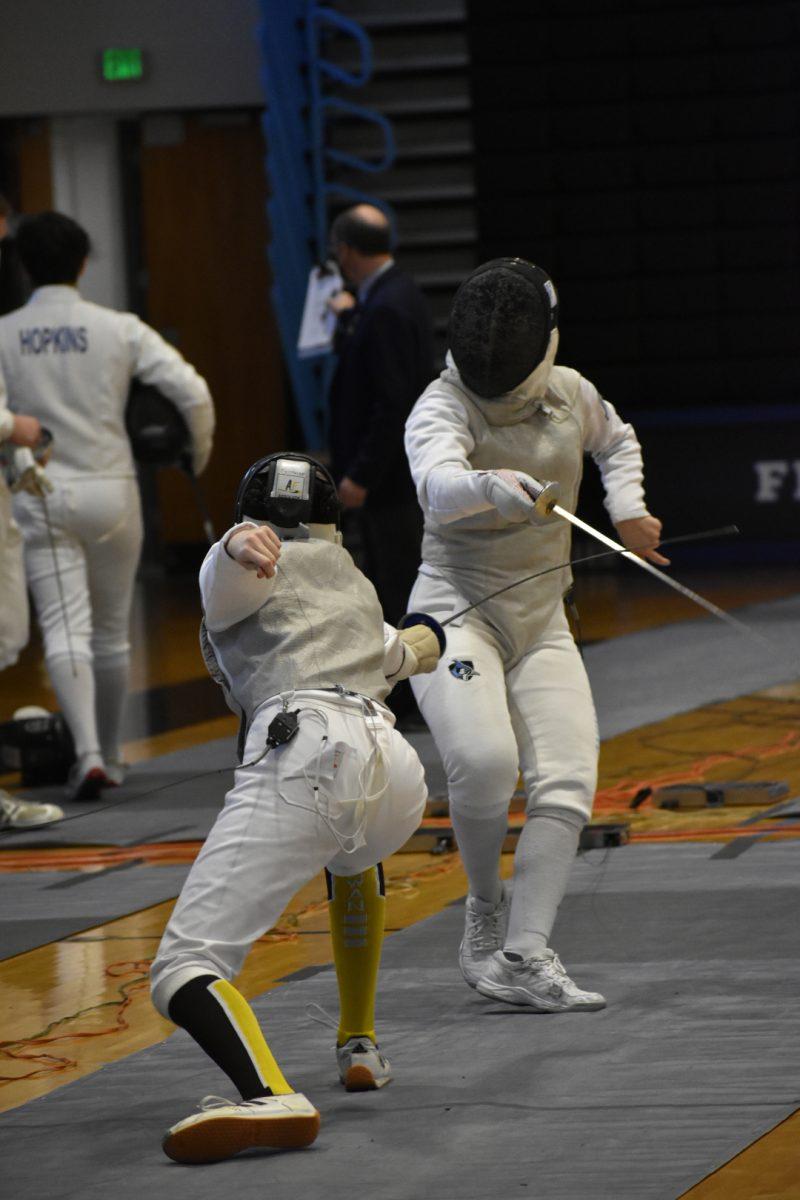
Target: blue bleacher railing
{"x": 297, "y": 121}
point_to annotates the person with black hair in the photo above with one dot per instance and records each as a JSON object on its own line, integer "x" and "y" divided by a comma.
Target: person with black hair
{"x": 294, "y": 634}
{"x": 384, "y": 342}
{"x": 70, "y": 363}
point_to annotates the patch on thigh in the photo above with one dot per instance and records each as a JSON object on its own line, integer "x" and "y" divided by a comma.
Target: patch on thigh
{"x": 463, "y": 669}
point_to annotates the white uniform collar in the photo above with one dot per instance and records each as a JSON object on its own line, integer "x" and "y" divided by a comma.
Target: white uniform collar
{"x": 54, "y": 291}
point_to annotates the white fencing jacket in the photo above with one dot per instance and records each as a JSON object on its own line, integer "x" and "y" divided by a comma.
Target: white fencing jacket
{"x": 453, "y": 438}
{"x": 70, "y": 363}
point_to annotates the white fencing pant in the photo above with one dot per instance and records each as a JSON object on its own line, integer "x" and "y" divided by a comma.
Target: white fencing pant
{"x": 14, "y": 618}
{"x": 488, "y": 722}
{"x": 264, "y": 847}
{"x": 96, "y": 526}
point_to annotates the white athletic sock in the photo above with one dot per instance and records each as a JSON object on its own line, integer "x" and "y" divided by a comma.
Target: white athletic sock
{"x": 74, "y": 687}
{"x": 480, "y": 841}
{"x": 542, "y": 864}
{"x": 111, "y": 692}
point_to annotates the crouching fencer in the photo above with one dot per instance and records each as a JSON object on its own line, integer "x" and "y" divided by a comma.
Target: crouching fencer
{"x": 295, "y": 635}
{"x": 511, "y": 691}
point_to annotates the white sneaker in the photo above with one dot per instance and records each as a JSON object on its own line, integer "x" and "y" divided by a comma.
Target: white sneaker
{"x": 22, "y": 814}
{"x": 86, "y": 777}
{"x": 540, "y": 983}
{"x": 115, "y": 772}
{"x": 484, "y": 933}
{"x": 362, "y": 1067}
{"x": 223, "y": 1128}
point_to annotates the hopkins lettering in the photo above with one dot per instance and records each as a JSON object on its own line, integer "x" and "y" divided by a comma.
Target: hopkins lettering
{"x": 62, "y": 339}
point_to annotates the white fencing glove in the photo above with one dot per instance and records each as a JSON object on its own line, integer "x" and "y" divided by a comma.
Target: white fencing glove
{"x": 520, "y": 497}
{"x": 27, "y": 475}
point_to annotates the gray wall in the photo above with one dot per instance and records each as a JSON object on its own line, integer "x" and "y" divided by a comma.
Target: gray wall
{"x": 201, "y": 54}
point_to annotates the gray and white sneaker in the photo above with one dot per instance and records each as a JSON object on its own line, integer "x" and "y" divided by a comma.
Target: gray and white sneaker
{"x": 362, "y": 1067}
{"x": 23, "y": 814}
{"x": 484, "y": 933}
{"x": 540, "y": 983}
{"x": 87, "y": 776}
{"x": 223, "y": 1128}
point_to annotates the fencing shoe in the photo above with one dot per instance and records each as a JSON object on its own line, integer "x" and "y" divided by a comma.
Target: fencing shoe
{"x": 22, "y": 814}
{"x": 223, "y": 1128}
{"x": 362, "y": 1067}
{"x": 86, "y": 777}
{"x": 540, "y": 983}
{"x": 484, "y": 933}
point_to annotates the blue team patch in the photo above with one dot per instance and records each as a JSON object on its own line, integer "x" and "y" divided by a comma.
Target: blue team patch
{"x": 463, "y": 668}
{"x": 61, "y": 339}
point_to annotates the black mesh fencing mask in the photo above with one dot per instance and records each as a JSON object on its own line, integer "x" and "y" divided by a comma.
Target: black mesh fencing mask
{"x": 500, "y": 324}
{"x": 288, "y": 490}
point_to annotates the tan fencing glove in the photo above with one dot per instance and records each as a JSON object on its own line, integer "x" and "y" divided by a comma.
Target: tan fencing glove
{"x": 422, "y": 649}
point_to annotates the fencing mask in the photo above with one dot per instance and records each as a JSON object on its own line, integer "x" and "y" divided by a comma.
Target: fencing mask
{"x": 500, "y": 324}
{"x": 157, "y": 431}
{"x": 288, "y": 490}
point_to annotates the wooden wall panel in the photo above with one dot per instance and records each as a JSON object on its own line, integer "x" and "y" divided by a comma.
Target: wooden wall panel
{"x": 205, "y": 237}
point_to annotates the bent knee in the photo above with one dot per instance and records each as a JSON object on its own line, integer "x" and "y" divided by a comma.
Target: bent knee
{"x": 482, "y": 785}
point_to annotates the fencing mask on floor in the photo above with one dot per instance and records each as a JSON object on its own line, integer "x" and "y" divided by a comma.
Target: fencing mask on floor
{"x": 288, "y": 490}
{"x": 500, "y": 325}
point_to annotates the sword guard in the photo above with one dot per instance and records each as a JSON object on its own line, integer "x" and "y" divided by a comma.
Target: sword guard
{"x": 416, "y": 618}
{"x": 545, "y": 497}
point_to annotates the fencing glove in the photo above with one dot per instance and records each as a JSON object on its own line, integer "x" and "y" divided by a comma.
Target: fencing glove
{"x": 422, "y": 650}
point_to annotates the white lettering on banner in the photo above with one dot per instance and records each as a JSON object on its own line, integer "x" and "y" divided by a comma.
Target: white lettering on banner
{"x": 771, "y": 474}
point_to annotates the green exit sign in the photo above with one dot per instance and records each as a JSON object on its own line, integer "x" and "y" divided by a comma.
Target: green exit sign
{"x": 123, "y": 65}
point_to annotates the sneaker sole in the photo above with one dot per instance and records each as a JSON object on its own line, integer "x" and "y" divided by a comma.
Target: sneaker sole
{"x": 361, "y": 1079}
{"x": 523, "y": 999}
{"x": 214, "y": 1140}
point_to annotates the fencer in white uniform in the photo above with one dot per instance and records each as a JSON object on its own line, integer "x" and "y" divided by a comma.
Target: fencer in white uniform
{"x": 511, "y": 692}
{"x": 70, "y": 363}
{"x": 294, "y": 633}
{"x": 19, "y": 435}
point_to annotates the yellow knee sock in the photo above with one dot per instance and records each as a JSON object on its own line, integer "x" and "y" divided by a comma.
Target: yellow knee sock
{"x": 356, "y": 906}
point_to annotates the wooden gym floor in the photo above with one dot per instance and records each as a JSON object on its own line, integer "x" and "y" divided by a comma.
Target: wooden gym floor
{"x": 71, "y": 1006}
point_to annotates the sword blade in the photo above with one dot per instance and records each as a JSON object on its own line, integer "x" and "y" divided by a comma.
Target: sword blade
{"x": 723, "y": 531}
{"x": 661, "y": 575}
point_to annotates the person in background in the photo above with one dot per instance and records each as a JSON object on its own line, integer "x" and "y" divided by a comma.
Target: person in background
{"x": 25, "y": 431}
{"x": 385, "y": 359}
{"x": 70, "y": 363}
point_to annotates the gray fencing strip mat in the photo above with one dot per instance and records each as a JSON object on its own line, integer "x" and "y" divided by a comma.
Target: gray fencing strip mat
{"x": 691, "y": 1061}
{"x": 636, "y": 679}
{"x": 648, "y": 676}
{"x": 46, "y": 906}
{"x": 160, "y": 801}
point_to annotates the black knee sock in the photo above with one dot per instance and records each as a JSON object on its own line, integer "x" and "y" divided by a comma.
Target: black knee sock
{"x": 222, "y": 1023}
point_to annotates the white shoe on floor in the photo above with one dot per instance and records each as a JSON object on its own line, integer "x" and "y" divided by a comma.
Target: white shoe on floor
{"x": 23, "y": 814}
{"x": 540, "y": 983}
{"x": 362, "y": 1067}
{"x": 223, "y": 1128}
{"x": 115, "y": 772}
{"x": 86, "y": 777}
{"x": 484, "y": 933}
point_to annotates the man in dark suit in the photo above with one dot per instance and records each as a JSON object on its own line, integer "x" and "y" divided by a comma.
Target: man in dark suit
{"x": 384, "y": 342}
